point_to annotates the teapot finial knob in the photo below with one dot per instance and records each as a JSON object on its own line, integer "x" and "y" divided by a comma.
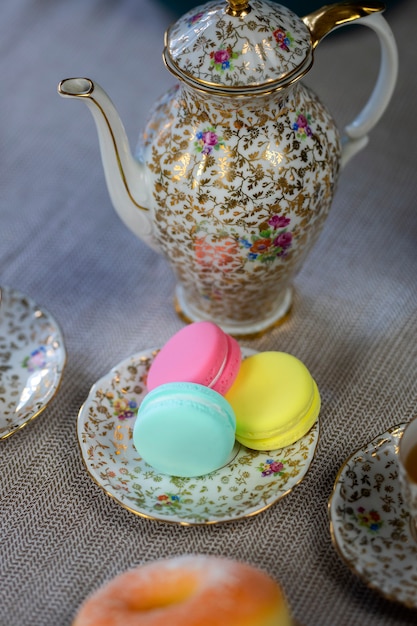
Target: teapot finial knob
{"x": 238, "y": 8}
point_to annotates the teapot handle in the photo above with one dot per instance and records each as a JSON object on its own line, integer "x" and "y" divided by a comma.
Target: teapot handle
{"x": 355, "y": 136}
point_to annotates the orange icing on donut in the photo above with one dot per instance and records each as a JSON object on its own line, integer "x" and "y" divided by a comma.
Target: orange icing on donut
{"x": 188, "y": 591}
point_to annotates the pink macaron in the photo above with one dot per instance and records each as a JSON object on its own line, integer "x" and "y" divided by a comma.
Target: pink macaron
{"x": 199, "y": 353}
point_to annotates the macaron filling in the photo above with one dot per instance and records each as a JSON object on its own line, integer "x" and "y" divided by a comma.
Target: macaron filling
{"x": 229, "y": 368}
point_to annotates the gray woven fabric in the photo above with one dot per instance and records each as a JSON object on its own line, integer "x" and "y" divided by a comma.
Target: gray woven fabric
{"x": 353, "y": 322}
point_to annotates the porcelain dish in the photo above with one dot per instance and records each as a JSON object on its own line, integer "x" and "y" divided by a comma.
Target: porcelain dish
{"x": 32, "y": 360}
{"x": 370, "y": 525}
{"x": 247, "y": 484}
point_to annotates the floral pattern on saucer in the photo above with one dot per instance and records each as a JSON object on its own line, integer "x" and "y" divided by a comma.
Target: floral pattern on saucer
{"x": 32, "y": 360}
{"x": 250, "y": 482}
{"x": 370, "y": 525}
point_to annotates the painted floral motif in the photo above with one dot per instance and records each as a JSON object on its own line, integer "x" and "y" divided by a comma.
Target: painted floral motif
{"x": 168, "y": 500}
{"x": 122, "y": 407}
{"x": 208, "y": 140}
{"x": 272, "y": 241}
{"x": 119, "y": 480}
{"x": 283, "y": 39}
{"x": 370, "y": 520}
{"x": 36, "y": 360}
{"x": 232, "y": 492}
{"x": 271, "y": 467}
{"x": 221, "y": 60}
{"x": 194, "y": 19}
{"x": 220, "y": 250}
{"x": 302, "y": 125}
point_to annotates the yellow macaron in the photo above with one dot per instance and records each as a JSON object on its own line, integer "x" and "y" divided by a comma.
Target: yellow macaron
{"x": 275, "y": 399}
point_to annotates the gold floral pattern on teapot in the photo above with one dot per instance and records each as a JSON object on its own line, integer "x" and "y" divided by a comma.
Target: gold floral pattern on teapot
{"x": 236, "y": 170}
{"x": 241, "y": 196}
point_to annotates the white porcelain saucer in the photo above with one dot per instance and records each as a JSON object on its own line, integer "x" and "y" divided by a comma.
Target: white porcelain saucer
{"x": 32, "y": 360}
{"x": 369, "y": 523}
{"x": 249, "y": 483}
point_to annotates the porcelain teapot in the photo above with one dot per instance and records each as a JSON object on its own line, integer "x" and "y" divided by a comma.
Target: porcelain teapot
{"x": 236, "y": 169}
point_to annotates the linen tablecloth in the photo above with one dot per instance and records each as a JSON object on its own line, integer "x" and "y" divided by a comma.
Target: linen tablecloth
{"x": 353, "y": 321}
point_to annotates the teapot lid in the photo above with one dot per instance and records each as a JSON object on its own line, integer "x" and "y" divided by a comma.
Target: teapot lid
{"x": 239, "y": 47}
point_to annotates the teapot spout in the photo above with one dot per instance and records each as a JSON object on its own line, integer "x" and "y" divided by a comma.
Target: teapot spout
{"x": 125, "y": 176}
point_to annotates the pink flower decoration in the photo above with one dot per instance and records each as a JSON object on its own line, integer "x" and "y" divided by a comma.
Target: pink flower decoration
{"x": 276, "y": 466}
{"x": 210, "y": 138}
{"x": 283, "y": 240}
{"x": 279, "y": 221}
{"x": 302, "y": 121}
{"x": 221, "y": 56}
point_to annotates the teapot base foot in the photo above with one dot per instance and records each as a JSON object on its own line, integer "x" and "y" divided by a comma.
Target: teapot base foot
{"x": 248, "y": 329}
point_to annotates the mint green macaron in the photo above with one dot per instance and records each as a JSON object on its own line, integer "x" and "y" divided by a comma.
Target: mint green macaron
{"x": 184, "y": 429}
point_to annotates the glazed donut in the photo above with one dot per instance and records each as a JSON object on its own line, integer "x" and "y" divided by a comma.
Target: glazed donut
{"x": 190, "y": 590}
